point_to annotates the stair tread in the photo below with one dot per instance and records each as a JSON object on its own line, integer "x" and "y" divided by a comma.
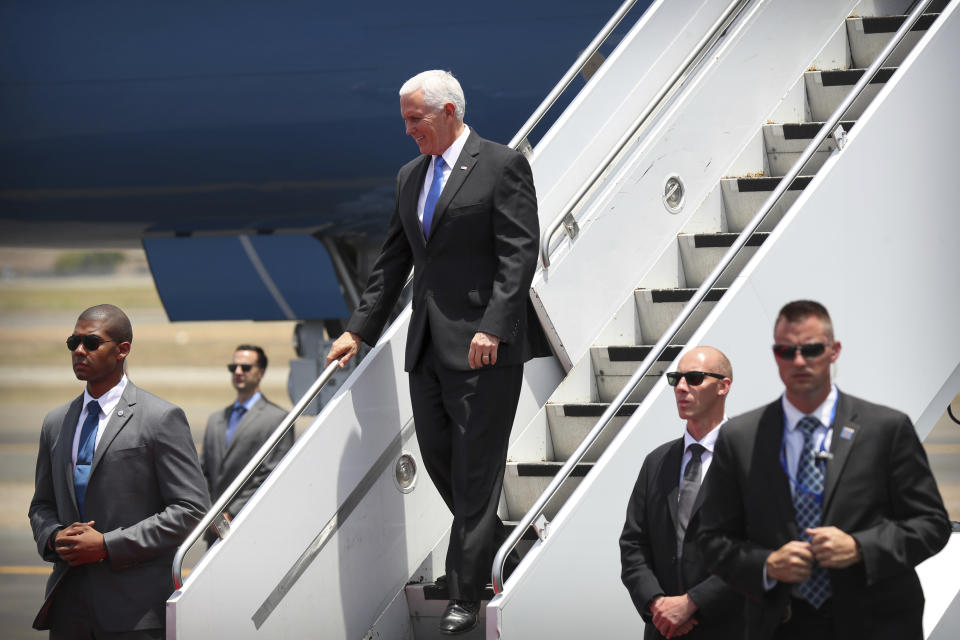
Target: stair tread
{"x": 550, "y": 468}
{"x": 630, "y": 353}
{"x": 768, "y": 183}
{"x": 890, "y": 24}
{"x": 849, "y": 77}
{"x": 805, "y": 130}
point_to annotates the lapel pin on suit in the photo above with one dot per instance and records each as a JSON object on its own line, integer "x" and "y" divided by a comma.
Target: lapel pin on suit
{"x": 120, "y": 413}
{"x": 463, "y": 167}
{"x": 846, "y": 433}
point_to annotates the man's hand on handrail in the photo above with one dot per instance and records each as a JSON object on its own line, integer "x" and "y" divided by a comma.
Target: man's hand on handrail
{"x": 344, "y": 348}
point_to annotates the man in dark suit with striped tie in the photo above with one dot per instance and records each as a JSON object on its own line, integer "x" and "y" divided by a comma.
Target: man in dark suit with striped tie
{"x": 819, "y": 505}
{"x": 661, "y": 565}
{"x": 466, "y": 221}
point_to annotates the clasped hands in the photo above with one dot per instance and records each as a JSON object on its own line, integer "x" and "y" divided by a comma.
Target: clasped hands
{"x": 829, "y": 547}
{"x": 80, "y": 544}
{"x": 483, "y": 349}
{"x": 673, "y": 615}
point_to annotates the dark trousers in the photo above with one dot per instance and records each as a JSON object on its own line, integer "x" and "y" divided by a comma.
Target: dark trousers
{"x": 72, "y": 616}
{"x": 804, "y": 621}
{"x": 463, "y": 421}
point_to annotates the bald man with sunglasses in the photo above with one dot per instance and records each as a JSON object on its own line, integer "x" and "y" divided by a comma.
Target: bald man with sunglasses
{"x": 819, "y": 505}
{"x": 661, "y": 565}
{"x": 118, "y": 488}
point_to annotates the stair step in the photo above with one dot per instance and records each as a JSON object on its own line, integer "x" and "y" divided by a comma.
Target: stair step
{"x": 570, "y": 424}
{"x": 657, "y": 309}
{"x": 827, "y": 89}
{"x": 613, "y": 366}
{"x": 785, "y": 142}
{"x": 869, "y": 35}
{"x": 426, "y": 603}
{"x": 524, "y": 482}
{"x": 743, "y": 197}
{"x": 700, "y": 253}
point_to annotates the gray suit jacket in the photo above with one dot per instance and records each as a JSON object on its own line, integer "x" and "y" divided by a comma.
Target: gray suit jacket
{"x": 145, "y": 492}
{"x": 221, "y": 464}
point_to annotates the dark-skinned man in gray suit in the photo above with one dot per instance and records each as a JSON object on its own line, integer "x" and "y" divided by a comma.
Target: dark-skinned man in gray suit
{"x": 234, "y": 434}
{"x": 465, "y": 219}
{"x": 118, "y": 488}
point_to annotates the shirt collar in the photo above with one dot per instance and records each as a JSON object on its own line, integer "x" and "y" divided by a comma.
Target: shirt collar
{"x": 708, "y": 441}
{"x": 823, "y": 413}
{"x": 108, "y": 400}
{"x": 453, "y": 151}
{"x": 252, "y": 400}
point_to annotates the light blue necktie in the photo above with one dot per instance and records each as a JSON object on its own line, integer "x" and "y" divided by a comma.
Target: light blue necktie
{"x": 235, "y": 417}
{"x": 85, "y": 449}
{"x": 808, "y": 505}
{"x": 436, "y": 186}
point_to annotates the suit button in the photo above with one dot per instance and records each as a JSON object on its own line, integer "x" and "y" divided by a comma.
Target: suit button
{"x": 673, "y": 559}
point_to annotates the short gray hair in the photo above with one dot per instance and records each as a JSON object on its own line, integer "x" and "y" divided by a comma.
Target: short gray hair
{"x": 439, "y": 87}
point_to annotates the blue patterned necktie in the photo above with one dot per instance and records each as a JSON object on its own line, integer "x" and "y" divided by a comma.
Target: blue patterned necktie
{"x": 808, "y": 505}
{"x": 85, "y": 449}
{"x": 436, "y": 186}
{"x": 235, "y": 417}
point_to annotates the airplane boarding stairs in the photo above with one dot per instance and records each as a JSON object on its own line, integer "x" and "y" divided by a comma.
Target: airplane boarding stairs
{"x": 325, "y": 547}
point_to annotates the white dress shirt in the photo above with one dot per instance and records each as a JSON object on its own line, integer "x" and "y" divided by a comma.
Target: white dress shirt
{"x": 708, "y": 442}
{"x": 450, "y": 159}
{"x": 108, "y": 402}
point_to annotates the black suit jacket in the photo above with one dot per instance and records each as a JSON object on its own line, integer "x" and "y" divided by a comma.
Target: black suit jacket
{"x": 474, "y": 272}
{"x": 648, "y": 551}
{"x": 221, "y": 464}
{"x": 878, "y": 488}
{"x": 145, "y": 492}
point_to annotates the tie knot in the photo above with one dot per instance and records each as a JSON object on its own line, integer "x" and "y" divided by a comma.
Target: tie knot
{"x": 239, "y": 409}
{"x": 93, "y": 408}
{"x": 808, "y": 424}
{"x": 438, "y": 163}
{"x": 696, "y": 450}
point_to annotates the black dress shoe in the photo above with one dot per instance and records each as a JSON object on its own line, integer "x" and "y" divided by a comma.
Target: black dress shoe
{"x": 460, "y": 616}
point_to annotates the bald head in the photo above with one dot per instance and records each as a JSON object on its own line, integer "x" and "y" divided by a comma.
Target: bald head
{"x": 115, "y": 321}
{"x": 708, "y": 359}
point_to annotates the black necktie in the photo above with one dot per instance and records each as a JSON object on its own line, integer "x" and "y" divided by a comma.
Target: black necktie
{"x": 689, "y": 487}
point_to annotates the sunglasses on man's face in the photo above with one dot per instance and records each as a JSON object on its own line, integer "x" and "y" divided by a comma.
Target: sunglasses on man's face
{"x": 243, "y": 367}
{"x": 693, "y": 378}
{"x": 90, "y": 342}
{"x": 789, "y": 351}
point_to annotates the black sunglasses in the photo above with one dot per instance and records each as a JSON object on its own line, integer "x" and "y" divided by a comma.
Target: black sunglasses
{"x": 693, "y": 378}
{"x": 789, "y": 351}
{"x": 245, "y": 367}
{"x": 90, "y": 342}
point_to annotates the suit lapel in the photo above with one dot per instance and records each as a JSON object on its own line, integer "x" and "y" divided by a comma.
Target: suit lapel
{"x": 670, "y": 478}
{"x": 408, "y": 198}
{"x": 248, "y": 418}
{"x": 841, "y": 442}
{"x": 773, "y": 475}
{"x": 459, "y": 173}
{"x": 64, "y": 453}
{"x": 118, "y": 419}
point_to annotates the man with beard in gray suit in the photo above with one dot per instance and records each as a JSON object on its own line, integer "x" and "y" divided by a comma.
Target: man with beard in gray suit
{"x": 118, "y": 488}
{"x": 234, "y": 434}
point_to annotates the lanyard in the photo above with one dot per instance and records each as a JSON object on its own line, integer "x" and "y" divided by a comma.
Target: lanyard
{"x": 820, "y": 457}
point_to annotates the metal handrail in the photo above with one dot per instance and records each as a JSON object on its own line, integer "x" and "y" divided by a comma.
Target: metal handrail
{"x": 711, "y": 280}
{"x": 521, "y": 136}
{"x": 231, "y": 491}
{"x": 652, "y": 106}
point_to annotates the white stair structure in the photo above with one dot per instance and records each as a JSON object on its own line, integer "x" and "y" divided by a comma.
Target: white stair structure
{"x": 328, "y": 544}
